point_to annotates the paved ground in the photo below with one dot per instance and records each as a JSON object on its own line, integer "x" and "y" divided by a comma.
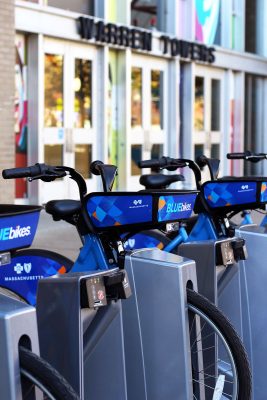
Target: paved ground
{"x": 57, "y": 236}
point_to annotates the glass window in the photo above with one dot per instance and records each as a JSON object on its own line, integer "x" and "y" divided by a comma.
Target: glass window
{"x": 215, "y": 151}
{"x": 21, "y": 113}
{"x": 254, "y": 122}
{"x": 83, "y": 159}
{"x": 251, "y": 26}
{"x": 53, "y": 154}
{"x": 136, "y": 119}
{"x": 146, "y": 13}
{"x": 199, "y": 150}
{"x": 136, "y": 156}
{"x": 83, "y": 94}
{"x": 215, "y": 104}
{"x": 156, "y": 151}
{"x": 80, "y": 6}
{"x": 53, "y": 101}
{"x": 208, "y": 22}
{"x": 199, "y": 104}
{"x": 156, "y": 98}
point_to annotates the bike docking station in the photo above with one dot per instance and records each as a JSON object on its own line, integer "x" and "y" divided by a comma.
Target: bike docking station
{"x": 18, "y": 325}
{"x": 253, "y": 303}
{"x": 18, "y": 322}
{"x": 238, "y": 287}
{"x": 155, "y": 323}
{"x": 80, "y": 330}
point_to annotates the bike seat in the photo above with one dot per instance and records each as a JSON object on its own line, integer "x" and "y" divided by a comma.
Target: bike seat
{"x": 61, "y": 209}
{"x": 159, "y": 181}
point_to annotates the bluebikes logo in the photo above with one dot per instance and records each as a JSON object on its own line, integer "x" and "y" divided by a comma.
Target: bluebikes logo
{"x": 178, "y": 207}
{"x": 171, "y": 208}
{"x": 14, "y": 233}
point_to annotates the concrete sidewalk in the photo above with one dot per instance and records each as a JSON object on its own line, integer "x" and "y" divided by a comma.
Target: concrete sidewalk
{"x": 57, "y": 236}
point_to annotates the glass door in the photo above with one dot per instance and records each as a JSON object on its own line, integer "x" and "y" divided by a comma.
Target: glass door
{"x": 147, "y": 137}
{"x": 208, "y": 113}
{"x": 69, "y": 125}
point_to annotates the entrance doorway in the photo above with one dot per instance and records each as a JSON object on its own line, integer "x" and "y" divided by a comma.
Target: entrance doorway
{"x": 148, "y": 134}
{"x": 69, "y": 113}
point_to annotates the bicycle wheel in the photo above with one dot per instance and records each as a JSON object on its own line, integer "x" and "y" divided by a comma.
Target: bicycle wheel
{"x": 220, "y": 366}
{"x": 37, "y": 373}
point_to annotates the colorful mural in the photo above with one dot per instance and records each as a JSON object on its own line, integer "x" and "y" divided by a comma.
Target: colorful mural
{"x": 207, "y": 21}
{"x": 21, "y": 113}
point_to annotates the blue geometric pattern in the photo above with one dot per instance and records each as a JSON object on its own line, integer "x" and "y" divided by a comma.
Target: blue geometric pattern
{"x": 108, "y": 211}
{"x": 226, "y": 194}
{"x": 264, "y": 192}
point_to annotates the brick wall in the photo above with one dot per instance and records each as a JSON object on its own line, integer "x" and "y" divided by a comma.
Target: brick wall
{"x": 7, "y": 63}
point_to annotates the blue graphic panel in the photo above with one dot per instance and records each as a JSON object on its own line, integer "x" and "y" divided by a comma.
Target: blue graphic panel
{"x": 108, "y": 211}
{"x": 263, "y": 197}
{"x": 141, "y": 240}
{"x": 23, "y": 273}
{"x": 173, "y": 208}
{"x": 18, "y": 231}
{"x": 224, "y": 194}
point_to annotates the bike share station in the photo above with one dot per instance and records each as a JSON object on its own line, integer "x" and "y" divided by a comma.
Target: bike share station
{"x": 140, "y": 338}
{"x": 107, "y": 348}
{"x": 102, "y": 350}
{"x": 231, "y": 272}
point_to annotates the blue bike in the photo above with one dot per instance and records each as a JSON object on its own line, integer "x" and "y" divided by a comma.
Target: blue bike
{"x": 103, "y": 218}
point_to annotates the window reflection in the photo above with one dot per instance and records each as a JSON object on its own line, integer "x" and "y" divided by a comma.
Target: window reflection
{"x": 80, "y": 6}
{"x": 136, "y": 155}
{"x": 145, "y": 13}
{"x": 156, "y": 98}
{"x": 136, "y": 119}
{"x": 83, "y": 159}
{"x": 156, "y": 153}
{"x": 215, "y": 104}
{"x": 199, "y": 104}
{"x": 53, "y": 102}
{"x": 53, "y": 154}
{"x": 199, "y": 150}
{"x": 83, "y": 94}
{"x": 215, "y": 151}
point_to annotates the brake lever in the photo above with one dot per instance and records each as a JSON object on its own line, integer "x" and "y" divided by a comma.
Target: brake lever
{"x": 49, "y": 177}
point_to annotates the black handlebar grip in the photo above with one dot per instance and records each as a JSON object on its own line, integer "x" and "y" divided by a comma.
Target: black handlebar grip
{"x": 237, "y": 156}
{"x": 25, "y": 172}
{"x": 149, "y": 164}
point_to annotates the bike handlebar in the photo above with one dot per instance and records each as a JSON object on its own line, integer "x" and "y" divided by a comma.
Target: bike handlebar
{"x": 163, "y": 162}
{"x": 25, "y": 172}
{"x": 46, "y": 173}
{"x": 248, "y": 156}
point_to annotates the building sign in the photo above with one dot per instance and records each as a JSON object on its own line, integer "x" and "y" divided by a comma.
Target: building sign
{"x": 140, "y": 39}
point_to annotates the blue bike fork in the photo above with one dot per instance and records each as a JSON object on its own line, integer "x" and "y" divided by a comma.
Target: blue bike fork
{"x": 92, "y": 256}
{"x": 203, "y": 229}
{"x": 180, "y": 238}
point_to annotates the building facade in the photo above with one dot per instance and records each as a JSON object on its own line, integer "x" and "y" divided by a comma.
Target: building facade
{"x": 127, "y": 80}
